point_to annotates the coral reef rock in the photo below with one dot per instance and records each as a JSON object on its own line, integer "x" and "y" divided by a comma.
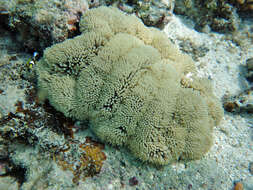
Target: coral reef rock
{"x": 133, "y": 85}
{"x": 216, "y": 15}
{"x": 41, "y": 23}
{"x": 152, "y": 13}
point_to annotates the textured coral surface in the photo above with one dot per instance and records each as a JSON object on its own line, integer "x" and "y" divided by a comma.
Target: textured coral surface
{"x": 218, "y": 15}
{"x": 133, "y": 85}
{"x": 41, "y": 23}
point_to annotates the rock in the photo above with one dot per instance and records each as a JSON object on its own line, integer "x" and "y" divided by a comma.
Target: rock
{"x": 249, "y": 65}
{"x": 248, "y": 183}
{"x": 238, "y": 186}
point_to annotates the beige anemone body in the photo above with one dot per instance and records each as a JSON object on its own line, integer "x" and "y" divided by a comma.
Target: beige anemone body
{"x": 133, "y": 85}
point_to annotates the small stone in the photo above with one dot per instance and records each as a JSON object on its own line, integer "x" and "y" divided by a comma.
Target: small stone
{"x": 230, "y": 106}
{"x": 133, "y": 181}
{"x": 238, "y": 186}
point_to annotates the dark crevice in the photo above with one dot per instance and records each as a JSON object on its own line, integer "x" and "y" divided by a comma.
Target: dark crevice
{"x": 123, "y": 130}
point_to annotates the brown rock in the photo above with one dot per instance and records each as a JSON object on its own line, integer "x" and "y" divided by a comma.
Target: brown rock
{"x": 238, "y": 186}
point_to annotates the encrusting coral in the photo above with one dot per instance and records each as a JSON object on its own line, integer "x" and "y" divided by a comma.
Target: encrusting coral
{"x": 133, "y": 85}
